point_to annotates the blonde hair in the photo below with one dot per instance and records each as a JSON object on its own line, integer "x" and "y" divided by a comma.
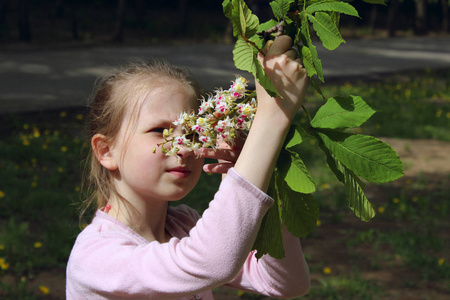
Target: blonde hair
{"x": 114, "y": 95}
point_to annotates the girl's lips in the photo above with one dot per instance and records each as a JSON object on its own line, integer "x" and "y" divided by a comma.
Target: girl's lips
{"x": 179, "y": 172}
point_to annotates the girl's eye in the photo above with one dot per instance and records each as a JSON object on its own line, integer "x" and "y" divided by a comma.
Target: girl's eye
{"x": 157, "y": 129}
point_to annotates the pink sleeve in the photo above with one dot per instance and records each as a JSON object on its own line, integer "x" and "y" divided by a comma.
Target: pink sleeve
{"x": 281, "y": 278}
{"x": 108, "y": 265}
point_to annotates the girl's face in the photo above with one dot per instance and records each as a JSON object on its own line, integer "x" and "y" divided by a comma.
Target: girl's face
{"x": 142, "y": 174}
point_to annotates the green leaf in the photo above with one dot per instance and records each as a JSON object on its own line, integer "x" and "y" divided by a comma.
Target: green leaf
{"x": 267, "y": 25}
{"x": 366, "y": 156}
{"x": 354, "y": 192}
{"x": 342, "y": 112}
{"x": 298, "y": 177}
{"x": 270, "y": 235}
{"x": 326, "y": 30}
{"x": 294, "y": 137}
{"x": 280, "y": 8}
{"x": 300, "y": 212}
{"x": 307, "y": 60}
{"x": 331, "y": 160}
{"x": 243, "y": 20}
{"x": 243, "y": 55}
{"x": 227, "y": 8}
{"x": 306, "y": 39}
{"x": 338, "y": 6}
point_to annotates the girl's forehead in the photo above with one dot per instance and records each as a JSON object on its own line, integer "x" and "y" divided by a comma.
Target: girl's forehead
{"x": 168, "y": 99}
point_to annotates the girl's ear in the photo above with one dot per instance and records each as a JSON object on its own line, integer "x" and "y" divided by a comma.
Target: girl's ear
{"x": 103, "y": 153}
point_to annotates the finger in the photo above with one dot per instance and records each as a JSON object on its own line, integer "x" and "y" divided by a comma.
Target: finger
{"x": 291, "y": 53}
{"x": 222, "y": 154}
{"x": 220, "y": 168}
{"x": 280, "y": 45}
{"x": 267, "y": 47}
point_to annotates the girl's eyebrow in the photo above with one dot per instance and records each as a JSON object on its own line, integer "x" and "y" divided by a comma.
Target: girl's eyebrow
{"x": 158, "y": 123}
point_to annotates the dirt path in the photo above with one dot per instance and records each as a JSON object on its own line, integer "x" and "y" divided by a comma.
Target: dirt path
{"x": 422, "y": 156}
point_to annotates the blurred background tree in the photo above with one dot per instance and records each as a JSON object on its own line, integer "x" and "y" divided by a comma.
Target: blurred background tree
{"x": 94, "y": 21}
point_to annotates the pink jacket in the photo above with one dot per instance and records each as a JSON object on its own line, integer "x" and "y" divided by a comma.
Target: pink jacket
{"x": 111, "y": 261}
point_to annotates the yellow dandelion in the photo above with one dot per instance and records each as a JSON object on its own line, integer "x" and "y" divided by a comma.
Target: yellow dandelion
{"x": 441, "y": 261}
{"x": 407, "y": 93}
{"x": 26, "y": 126}
{"x": 396, "y": 200}
{"x": 2, "y": 247}
{"x": 326, "y": 186}
{"x": 36, "y": 132}
{"x": 77, "y": 189}
{"x": 26, "y": 142}
{"x": 64, "y": 149}
{"x": 381, "y": 209}
{"x": 240, "y": 293}
{"x": 37, "y": 245}
{"x": 2, "y": 194}
{"x": 44, "y": 290}
{"x": 79, "y": 117}
{"x": 63, "y": 114}
{"x": 326, "y": 270}
{"x": 318, "y": 223}
{"x": 34, "y": 184}
{"x": 60, "y": 169}
{"x": 3, "y": 264}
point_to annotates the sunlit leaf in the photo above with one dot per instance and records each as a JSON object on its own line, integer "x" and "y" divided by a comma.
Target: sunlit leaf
{"x": 280, "y": 8}
{"x": 342, "y": 112}
{"x": 326, "y": 30}
{"x": 366, "y": 156}
{"x": 333, "y": 6}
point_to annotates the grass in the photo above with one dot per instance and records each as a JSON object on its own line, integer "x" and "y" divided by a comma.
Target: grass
{"x": 41, "y": 160}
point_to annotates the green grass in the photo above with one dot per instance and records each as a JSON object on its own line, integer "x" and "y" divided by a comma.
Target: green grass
{"x": 41, "y": 160}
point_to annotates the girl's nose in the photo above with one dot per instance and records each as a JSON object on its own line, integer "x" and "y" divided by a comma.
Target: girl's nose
{"x": 184, "y": 152}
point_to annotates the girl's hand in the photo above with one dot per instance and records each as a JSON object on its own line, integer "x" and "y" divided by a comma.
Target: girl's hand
{"x": 225, "y": 154}
{"x": 288, "y": 76}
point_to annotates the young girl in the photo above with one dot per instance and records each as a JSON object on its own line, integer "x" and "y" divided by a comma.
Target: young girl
{"x": 137, "y": 246}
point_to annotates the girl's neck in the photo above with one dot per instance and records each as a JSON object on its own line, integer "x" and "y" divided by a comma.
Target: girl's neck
{"x": 149, "y": 221}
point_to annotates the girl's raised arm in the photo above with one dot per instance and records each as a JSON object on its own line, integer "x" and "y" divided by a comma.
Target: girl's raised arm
{"x": 274, "y": 115}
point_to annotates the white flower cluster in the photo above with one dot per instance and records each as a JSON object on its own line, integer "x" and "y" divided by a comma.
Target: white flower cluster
{"x": 221, "y": 116}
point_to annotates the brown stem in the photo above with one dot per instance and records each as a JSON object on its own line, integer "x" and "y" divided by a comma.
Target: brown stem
{"x": 279, "y": 28}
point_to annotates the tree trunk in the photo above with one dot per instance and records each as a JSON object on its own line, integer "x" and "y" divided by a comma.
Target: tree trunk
{"x": 445, "y": 28}
{"x": 24, "y": 21}
{"x": 392, "y": 14}
{"x": 118, "y": 28}
{"x": 420, "y": 24}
